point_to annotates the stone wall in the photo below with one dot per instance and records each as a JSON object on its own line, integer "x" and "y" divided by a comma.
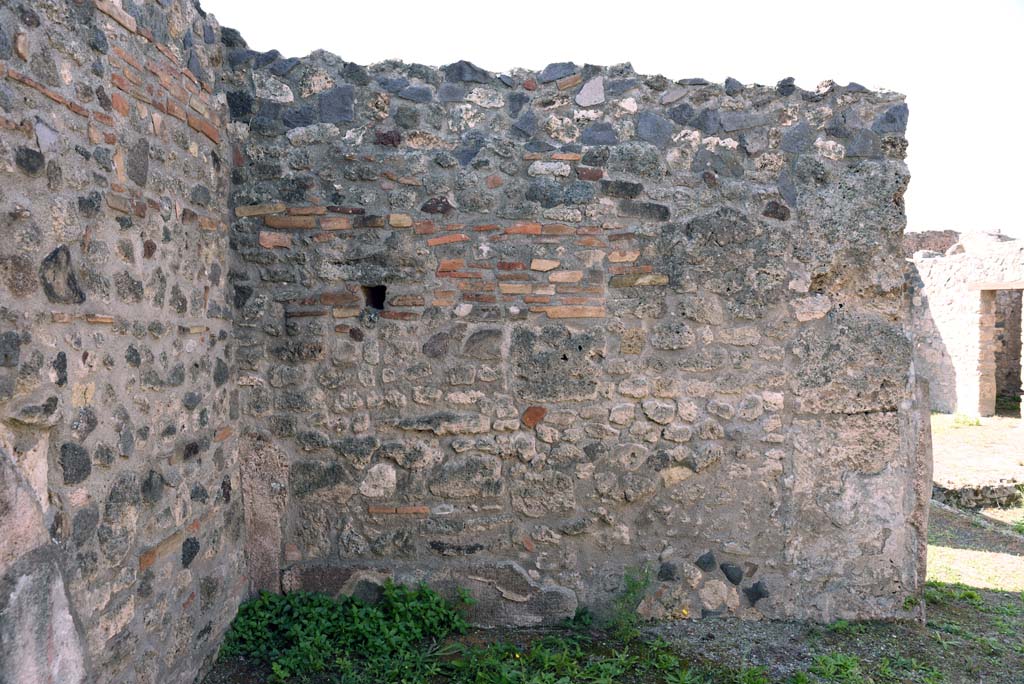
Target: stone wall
{"x": 120, "y": 559}
{"x": 522, "y": 332}
{"x": 930, "y": 240}
{"x": 515, "y": 333}
{"x": 955, "y": 323}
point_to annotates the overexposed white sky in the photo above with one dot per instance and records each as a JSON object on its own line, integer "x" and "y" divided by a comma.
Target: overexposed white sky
{"x": 960, "y": 64}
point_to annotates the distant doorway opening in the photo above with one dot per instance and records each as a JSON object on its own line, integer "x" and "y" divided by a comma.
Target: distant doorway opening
{"x": 1007, "y": 342}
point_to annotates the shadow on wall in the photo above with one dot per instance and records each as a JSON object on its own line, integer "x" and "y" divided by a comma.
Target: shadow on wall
{"x": 932, "y": 359}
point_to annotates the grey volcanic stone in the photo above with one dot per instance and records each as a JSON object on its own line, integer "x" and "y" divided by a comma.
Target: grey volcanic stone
{"x": 600, "y": 133}
{"x": 58, "y": 278}
{"x": 75, "y": 463}
{"x": 706, "y": 562}
{"x": 553, "y": 72}
{"x": 467, "y": 72}
{"x": 653, "y": 128}
{"x": 137, "y": 162}
{"x": 30, "y": 161}
{"x": 893, "y": 120}
{"x": 337, "y": 105}
{"x": 189, "y": 551}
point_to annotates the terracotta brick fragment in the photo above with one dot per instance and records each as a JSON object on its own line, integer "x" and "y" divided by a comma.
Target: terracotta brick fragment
{"x": 260, "y": 209}
{"x": 569, "y": 81}
{"x": 270, "y": 240}
{"x": 205, "y": 127}
{"x": 400, "y": 220}
{"x": 523, "y": 228}
{"x": 400, "y": 315}
{"x": 335, "y": 222}
{"x": 447, "y": 239}
{"x": 533, "y": 415}
{"x": 339, "y": 298}
{"x": 307, "y": 211}
{"x": 623, "y": 256}
{"x": 572, "y": 311}
{"x": 285, "y": 221}
{"x": 565, "y": 276}
{"x": 412, "y": 510}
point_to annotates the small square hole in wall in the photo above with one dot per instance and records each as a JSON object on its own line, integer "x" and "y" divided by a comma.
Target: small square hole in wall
{"x": 374, "y": 296}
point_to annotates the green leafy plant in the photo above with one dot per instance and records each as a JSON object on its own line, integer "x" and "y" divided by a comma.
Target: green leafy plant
{"x": 846, "y": 627}
{"x": 624, "y": 619}
{"x": 301, "y": 634}
{"x": 963, "y": 420}
{"x": 839, "y": 668}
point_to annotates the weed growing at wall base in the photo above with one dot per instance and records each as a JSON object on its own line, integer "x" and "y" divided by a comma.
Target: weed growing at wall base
{"x": 302, "y": 634}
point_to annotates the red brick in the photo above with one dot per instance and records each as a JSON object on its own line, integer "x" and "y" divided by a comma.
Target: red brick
{"x": 260, "y": 209}
{"x": 284, "y": 221}
{"x": 306, "y": 211}
{"x": 335, "y": 223}
{"x": 274, "y": 240}
{"x": 412, "y": 510}
{"x": 338, "y": 298}
{"x": 557, "y": 229}
{"x": 400, "y": 315}
{"x": 451, "y": 264}
{"x": 176, "y": 110}
{"x": 447, "y": 239}
{"x": 588, "y": 173}
{"x": 494, "y": 181}
{"x": 523, "y": 228}
{"x": 571, "y": 311}
{"x": 200, "y": 124}
{"x": 533, "y": 415}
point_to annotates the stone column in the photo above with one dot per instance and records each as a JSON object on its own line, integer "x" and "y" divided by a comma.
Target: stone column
{"x": 986, "y": 372}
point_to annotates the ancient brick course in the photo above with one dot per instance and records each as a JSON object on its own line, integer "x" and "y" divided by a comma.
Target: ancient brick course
{"x": 279, "y": 323}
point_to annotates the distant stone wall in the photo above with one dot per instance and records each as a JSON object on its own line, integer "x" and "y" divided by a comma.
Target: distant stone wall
{"x": 930, "y": 240}
{"x": 120, "y": 556}
{"x": 961, "y": 341}
{"x": 522, "y": 332}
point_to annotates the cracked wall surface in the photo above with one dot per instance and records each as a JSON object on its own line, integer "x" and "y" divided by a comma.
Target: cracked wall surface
{"x": 278, "y": 323}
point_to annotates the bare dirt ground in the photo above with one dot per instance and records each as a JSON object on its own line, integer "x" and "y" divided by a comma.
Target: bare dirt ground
{"x": 977, "y": 454}
{"x": 974, "y": 633}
